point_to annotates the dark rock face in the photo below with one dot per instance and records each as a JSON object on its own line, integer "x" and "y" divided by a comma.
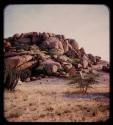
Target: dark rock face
{"x": 53, "y": 51}
{"x": 106, "y": 68}
{"x": 24, "y": 40}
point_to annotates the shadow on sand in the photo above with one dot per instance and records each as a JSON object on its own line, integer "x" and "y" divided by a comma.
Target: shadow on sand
{"x": 86, "y": 96}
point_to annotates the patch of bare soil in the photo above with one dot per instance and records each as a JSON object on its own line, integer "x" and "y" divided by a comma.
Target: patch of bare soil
{"x": 53, "y": 99}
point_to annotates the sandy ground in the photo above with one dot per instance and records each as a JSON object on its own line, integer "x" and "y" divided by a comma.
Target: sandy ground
{"x": 53, "y": 99}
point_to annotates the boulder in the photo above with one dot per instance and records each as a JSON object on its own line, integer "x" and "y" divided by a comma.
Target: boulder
{"x": 45, "y": 35}
{"x": 33, "y": 78}
{"x": 78, "y": 66}
{"x": 42, "y": 56}
{"x": 67, "y": 66}
{"x": 72, "y": 48}
{"x": 54, "y": 56}
{"x": 60, "y": 37}
{"x": 93, "y": 71}
{"x": 50, "y": 34}
{"x": 82, "y": 51}
{"x": 50, "y": 66}
{"x": 50, "y": 61}
{"x": 27, "y": 80}
{"x": 27, "y": 35}
{"x": 16, "y": 36}
{"x": 35, "y": 39}
{"x": 106, "y": 68}
{"x": 19, "y": 82}
{"x": 90, "y": 63}
{"x": 25, "y": 40}
{"x": 17, "y": 60}
{"x": 92, "y": 58}
{"x": 54, "y": 44}
{"x": 98, "y": 58}
{"x": 74, "y": 44}
{"x": 7, "y": 45}
{"x": 65, "y": 45}
{"x": 62, "y": 58}
{"x": 72, "y": 53}
{"x": 85, "y": 70}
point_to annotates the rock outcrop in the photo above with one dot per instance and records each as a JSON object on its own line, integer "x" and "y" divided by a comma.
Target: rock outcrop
{"x": 52, "y": 51}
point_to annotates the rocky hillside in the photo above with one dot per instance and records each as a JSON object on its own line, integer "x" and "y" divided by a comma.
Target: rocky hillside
{"x": 55, "y": 54}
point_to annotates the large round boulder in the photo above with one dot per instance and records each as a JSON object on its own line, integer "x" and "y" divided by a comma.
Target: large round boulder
{"x": 45, "y": 35}
{"x": 74, "y": 44}
{"x": 51, "y": 66}
{"x": 53, "y": 44}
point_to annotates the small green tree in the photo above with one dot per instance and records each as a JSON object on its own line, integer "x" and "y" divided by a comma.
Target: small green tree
{"x": 84, "y": 83}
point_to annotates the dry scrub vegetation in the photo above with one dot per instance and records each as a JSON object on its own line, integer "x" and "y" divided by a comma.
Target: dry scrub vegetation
{"x": 52, "y": 99}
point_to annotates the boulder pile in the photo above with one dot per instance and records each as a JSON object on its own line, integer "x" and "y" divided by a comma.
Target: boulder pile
{"x": 55, "y": 54}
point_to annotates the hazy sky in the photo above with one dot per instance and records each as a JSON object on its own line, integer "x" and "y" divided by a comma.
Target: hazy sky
{"x": 87, "y": 24}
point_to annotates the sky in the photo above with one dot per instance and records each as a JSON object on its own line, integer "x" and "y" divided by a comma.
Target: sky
{"x": 87, "y": 24}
